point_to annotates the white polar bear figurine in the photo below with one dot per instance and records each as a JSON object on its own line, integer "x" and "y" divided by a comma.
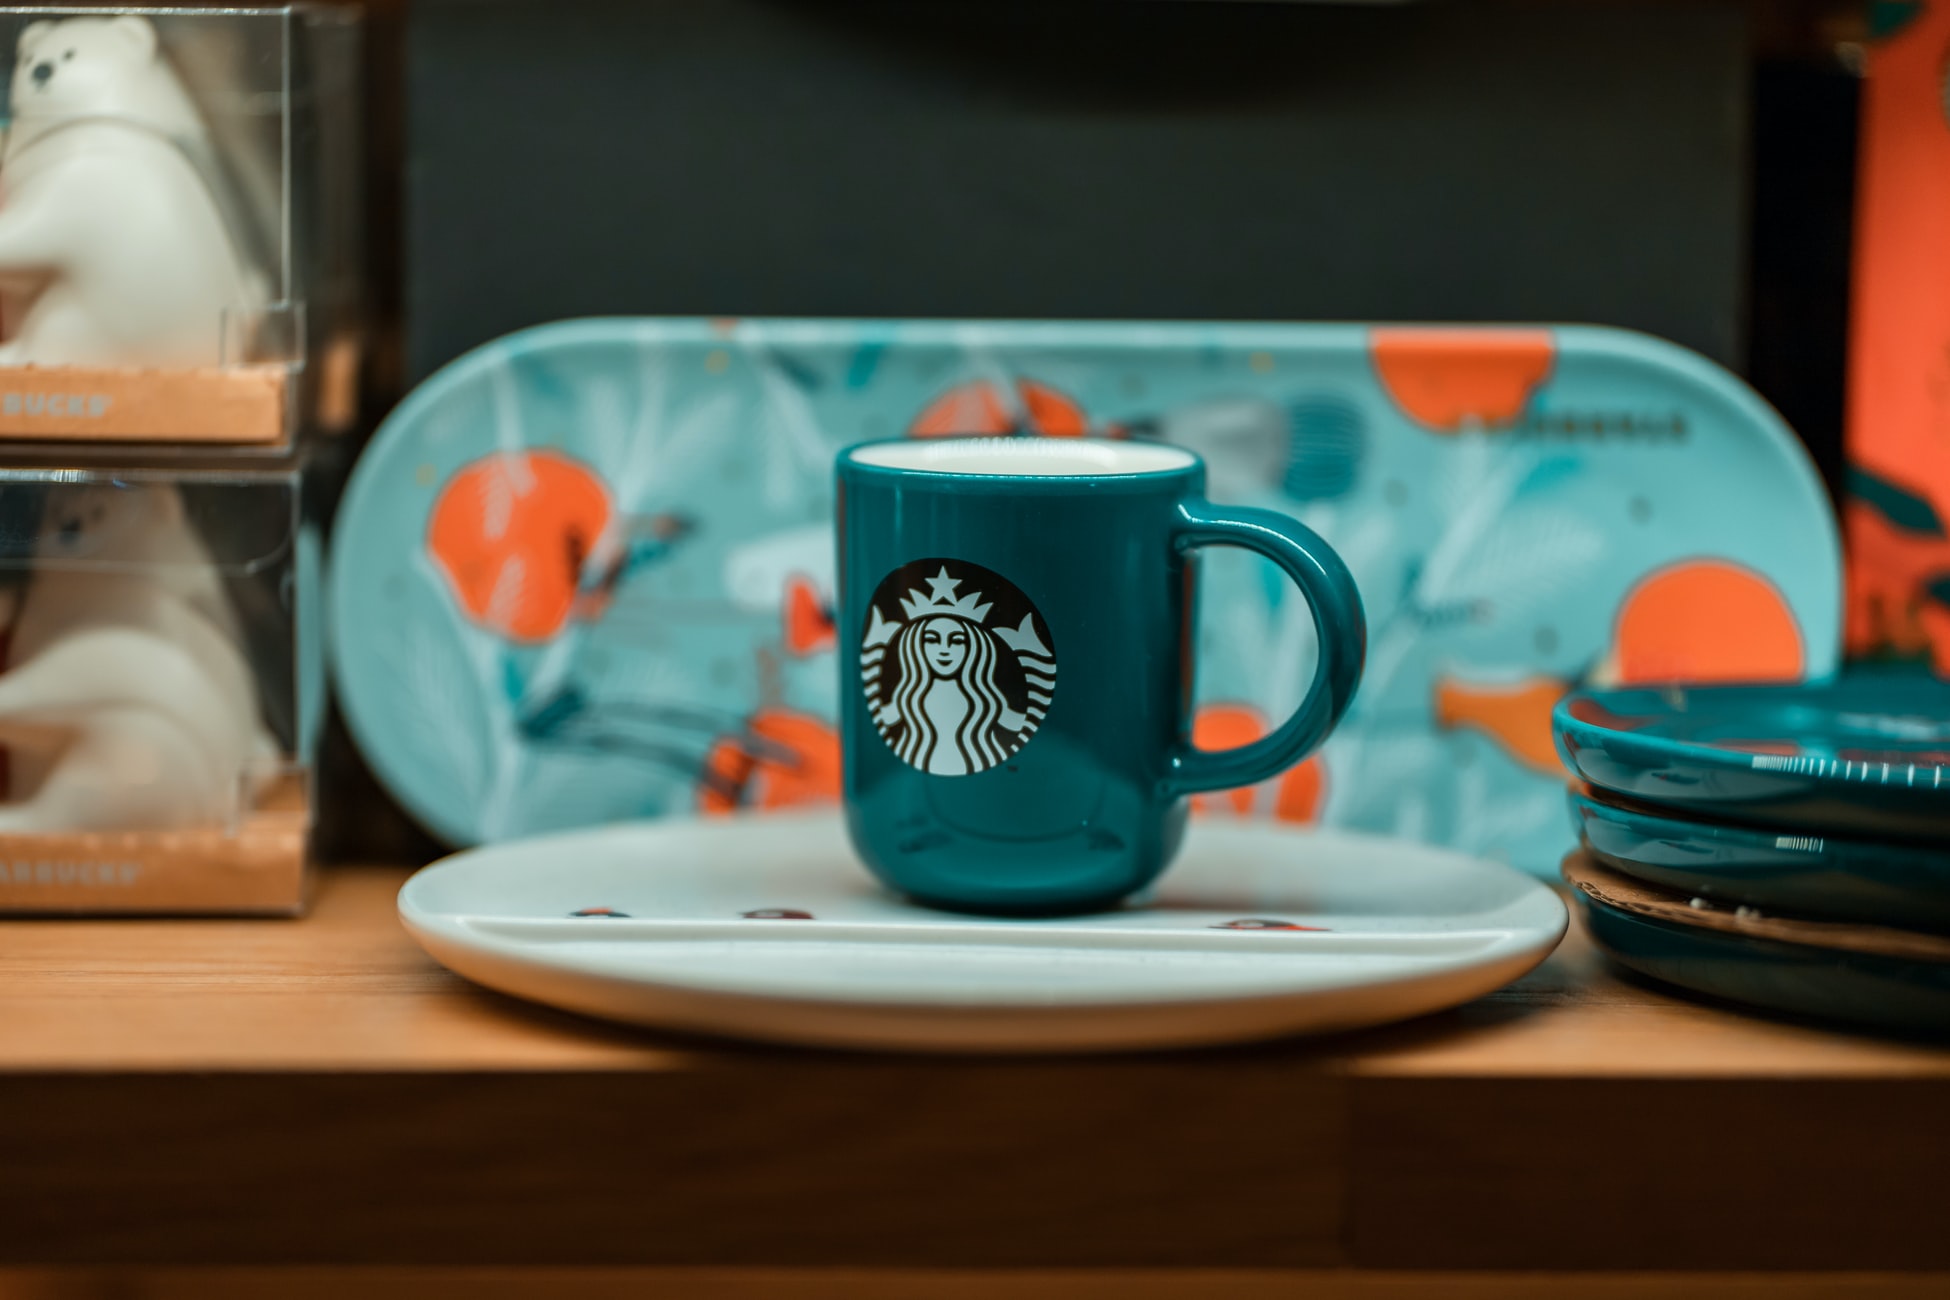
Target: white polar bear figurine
{"x": 113, "y": 248}
{"x": 128, "y": 703}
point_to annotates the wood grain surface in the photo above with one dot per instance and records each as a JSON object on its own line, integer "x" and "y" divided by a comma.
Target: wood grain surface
{"x": 906, "y": 1284}
{"x": 279, "y": 1093}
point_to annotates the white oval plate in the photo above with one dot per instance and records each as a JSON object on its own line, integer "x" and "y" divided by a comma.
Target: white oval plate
{"x": 768, "y": 928}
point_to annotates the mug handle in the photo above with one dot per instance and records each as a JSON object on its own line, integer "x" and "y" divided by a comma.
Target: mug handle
{"x": 1339, "y": 624}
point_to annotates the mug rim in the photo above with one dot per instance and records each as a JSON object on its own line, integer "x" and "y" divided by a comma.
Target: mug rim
{"x": 1187, "y": 464}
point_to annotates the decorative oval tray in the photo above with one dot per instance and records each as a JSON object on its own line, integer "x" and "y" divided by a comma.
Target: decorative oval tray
{"x": 585, "y": 573}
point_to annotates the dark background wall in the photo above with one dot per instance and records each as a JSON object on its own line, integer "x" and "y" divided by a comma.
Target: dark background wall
{"x": 1684, "y": 169}
{"x": 1075, "y": 158}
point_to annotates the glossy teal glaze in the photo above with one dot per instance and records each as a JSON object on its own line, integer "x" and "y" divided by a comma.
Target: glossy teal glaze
{"x": 1092, "y": 804}
{"x": 1813, "y": 875}
{"x": 1867, "y": 755}
{"x": 1852, "y": 988}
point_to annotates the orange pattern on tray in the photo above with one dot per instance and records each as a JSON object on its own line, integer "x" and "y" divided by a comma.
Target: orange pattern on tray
{"x": 1299, "y": 792}
{"x": 1448, "y": 380}
{"x": 782, "y": 760}
{"x": 808, "y": 621}
{"x": 1702, "y": 621}
{"x": 1517, "y": 715}
{"x": 982, "y": 408}
{"x": 512, "y": 532}
{"x": 1698, "y": 621}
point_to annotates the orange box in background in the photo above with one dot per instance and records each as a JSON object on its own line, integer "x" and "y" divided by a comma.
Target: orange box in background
{"x": 1897, "y": 517}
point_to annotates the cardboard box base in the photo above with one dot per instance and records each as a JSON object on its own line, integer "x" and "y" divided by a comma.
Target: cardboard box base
{"x": 244, "y": 405}
{"x": 256, "y": 867}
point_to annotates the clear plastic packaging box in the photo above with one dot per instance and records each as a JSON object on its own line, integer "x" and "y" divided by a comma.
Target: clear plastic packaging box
{"x": 179, "y": 233}
{"x": 161, "y": 692}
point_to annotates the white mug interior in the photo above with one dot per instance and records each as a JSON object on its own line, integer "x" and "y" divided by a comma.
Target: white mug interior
{"x": 1034, "y": 457}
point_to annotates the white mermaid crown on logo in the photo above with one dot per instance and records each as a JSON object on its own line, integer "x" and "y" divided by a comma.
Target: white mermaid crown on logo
{"x": 941, "y": 599}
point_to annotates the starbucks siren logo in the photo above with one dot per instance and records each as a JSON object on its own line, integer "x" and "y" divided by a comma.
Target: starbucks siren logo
{"x": 957, "y": 665}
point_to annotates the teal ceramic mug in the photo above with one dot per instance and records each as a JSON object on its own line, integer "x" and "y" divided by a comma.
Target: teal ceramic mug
{"x": 1017, "y": 619}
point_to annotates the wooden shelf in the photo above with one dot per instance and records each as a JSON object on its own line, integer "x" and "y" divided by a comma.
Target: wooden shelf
{"x": 318, "y": 1092}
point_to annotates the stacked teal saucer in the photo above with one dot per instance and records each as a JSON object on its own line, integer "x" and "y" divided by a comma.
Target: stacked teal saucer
{"x": 1783, "y": 846}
